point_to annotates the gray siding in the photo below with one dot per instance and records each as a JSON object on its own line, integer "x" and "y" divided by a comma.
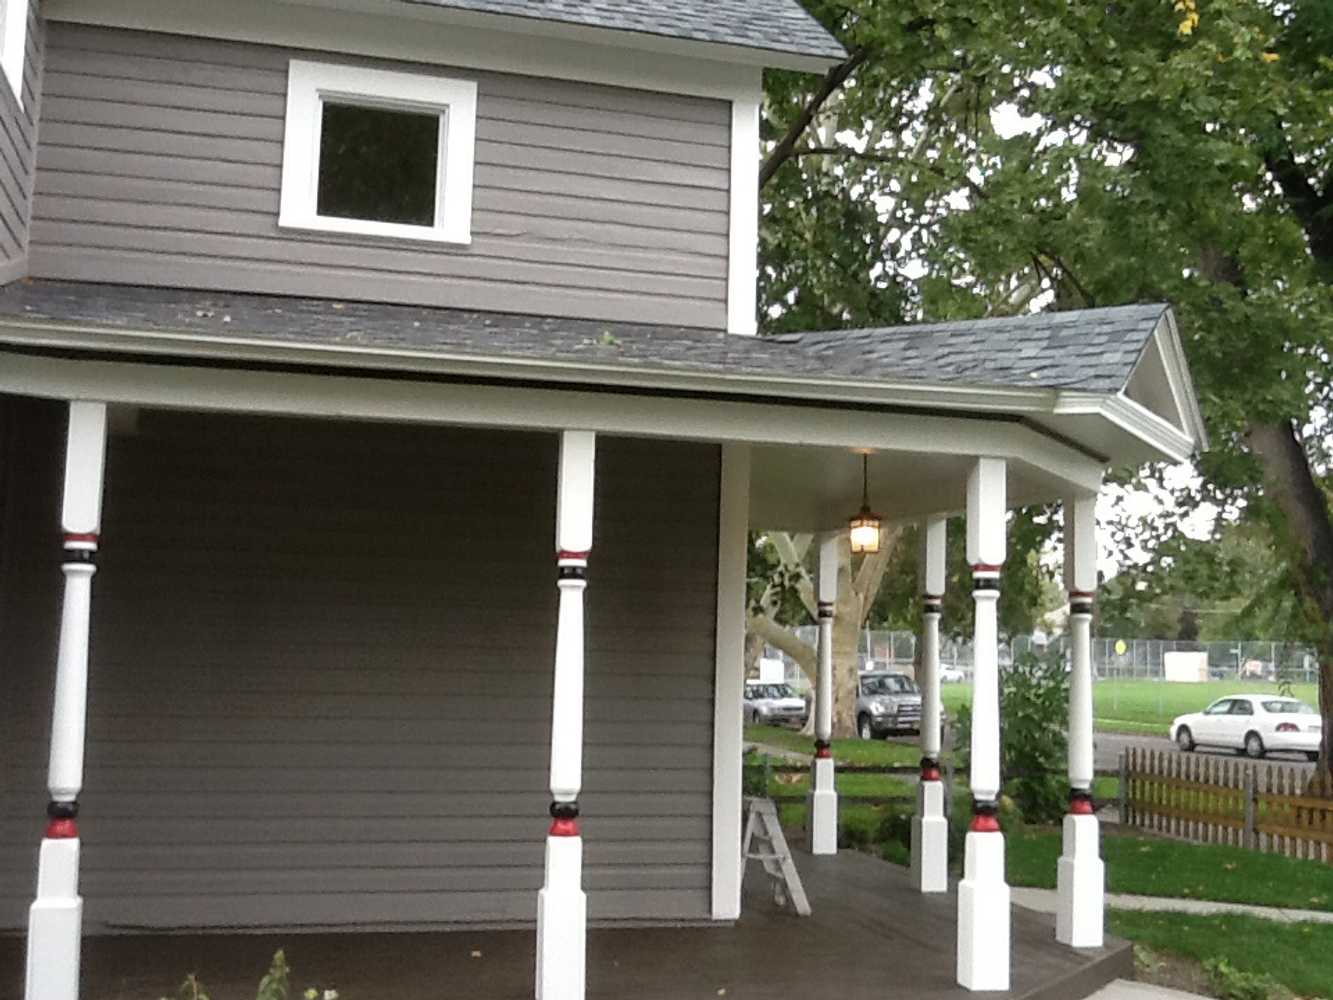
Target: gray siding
{"x": 18, "y": 137}
{"x": 321, "y": 676}
{"x": 161, "y": 158}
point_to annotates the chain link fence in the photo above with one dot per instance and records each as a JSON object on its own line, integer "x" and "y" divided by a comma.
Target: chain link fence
{"x": 1112, "y": 659}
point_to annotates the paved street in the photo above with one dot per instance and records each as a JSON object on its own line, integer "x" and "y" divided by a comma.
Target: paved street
{"x": 1108, "y": 747}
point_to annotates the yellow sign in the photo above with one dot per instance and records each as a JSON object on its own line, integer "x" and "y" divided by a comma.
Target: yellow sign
{"x": 1120, "y": 648}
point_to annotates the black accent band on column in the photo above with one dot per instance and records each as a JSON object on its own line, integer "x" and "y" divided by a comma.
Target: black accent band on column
{"x": 986, "y": 583}
{"x": 825, "y": 609}
{"x": 823, "y": 745}
{"x": 62, "y": 810}
{"x": 565, "y": 810}
{"x": 1080, "y": 607}
{"x": 985, "y": 808}
{"x": 573, "y": 572}
{"x": 932, "y": 605}
{"x": 86, "y": 556}
{"x": 929, "y": 762}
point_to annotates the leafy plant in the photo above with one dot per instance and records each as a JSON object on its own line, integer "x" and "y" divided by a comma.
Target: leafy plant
{"x": 1034, "y": 742}
{"x": 276, "y": 985}
{"x": 1230, "y": 983}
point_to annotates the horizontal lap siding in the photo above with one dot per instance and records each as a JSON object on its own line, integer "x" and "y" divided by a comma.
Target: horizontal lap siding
{"x": 161, "y": 163}
{"x": 321, "y": 681}
{"x": 18, "y": 133}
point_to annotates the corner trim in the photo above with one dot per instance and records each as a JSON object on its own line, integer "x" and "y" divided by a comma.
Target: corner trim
{"x": 743, "y": 258}
{"x": 729, "y": 679}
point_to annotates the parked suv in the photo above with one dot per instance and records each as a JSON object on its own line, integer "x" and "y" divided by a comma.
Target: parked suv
{"x": 774, "y": 704}
{"x": 887, "y": 703}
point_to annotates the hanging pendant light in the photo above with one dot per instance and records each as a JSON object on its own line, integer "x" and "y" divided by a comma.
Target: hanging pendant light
{"x": 864, "y": 527}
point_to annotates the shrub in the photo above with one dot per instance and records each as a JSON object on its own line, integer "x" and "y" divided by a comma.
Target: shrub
{"x": 1034, "y": 741}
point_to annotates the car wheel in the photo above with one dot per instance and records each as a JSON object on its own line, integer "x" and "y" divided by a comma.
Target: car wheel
{"x": 1185, "y": 739}
{"x": 1254, "y": 746}
{"x": 864, "y": 729}
{"x": 1312, "y": 756}
{"x": 754, "y": 718}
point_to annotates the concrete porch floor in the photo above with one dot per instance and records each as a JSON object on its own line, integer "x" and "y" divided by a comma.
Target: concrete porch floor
{"x": 870, "y": 936}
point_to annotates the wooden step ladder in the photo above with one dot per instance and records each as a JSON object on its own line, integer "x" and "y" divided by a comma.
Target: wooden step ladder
{"x": 765, "y": 842}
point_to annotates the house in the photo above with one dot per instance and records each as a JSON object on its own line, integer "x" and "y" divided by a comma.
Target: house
{"x": 388, "y": 371}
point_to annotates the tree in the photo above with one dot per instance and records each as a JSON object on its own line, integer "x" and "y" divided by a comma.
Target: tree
{"x": 783, "y": 596}
{"x": 1152, "y": 150}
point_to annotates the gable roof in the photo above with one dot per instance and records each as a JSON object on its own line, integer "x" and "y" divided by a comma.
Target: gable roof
{"x": 1094, "y": 350}
{"x": 780, "y": 26}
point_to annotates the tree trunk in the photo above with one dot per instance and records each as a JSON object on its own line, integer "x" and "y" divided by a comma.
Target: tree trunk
{"x": 1290, "y": 484}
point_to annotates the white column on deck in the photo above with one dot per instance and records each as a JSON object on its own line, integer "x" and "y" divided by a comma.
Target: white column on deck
{"x": 930, "y": 827}
{"x": 56, "y": 917}
{"x": 983, "y": 896}
{"x": 561, "y": 904}
{"x": 1080, "y": 873}
{"x": 824, "y": 798}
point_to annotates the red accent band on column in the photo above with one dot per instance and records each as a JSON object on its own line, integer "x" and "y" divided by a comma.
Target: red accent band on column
{"x": 81, "y": 537}
{"x": 62, "y": 829}
{"x": 1081, "y": 805}
{"x": 823, "y": 753}
{"x": 1082, "y": 595}
{"x": 986, "y": 568}
{"x": 563, "y": 554}
{"x": 984, "y": 823}
{"x": 564, "y": 828}
{"x": 930, "y": 774}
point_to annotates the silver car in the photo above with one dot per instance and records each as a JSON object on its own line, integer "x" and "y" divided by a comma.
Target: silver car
{"x": 774, "y": 704}
{"x": 887, "y": 703}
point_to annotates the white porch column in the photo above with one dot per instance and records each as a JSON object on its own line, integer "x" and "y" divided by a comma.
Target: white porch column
{"x": 1080, "y": 874}
{"x": 824, "y": 798}
{"x": 561, "y": 905}
{"x": 983, "y": 896}
{"x": 55, "y": 919}
{"x": 930, "y": 828}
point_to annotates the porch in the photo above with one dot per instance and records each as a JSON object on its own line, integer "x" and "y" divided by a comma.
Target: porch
{"x": 872, "y": 935}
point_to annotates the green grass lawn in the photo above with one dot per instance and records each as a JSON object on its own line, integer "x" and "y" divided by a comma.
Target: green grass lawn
{"x": 1155, "y": 867}
{"x": 846, "y": 751}
{"x": 1294, "y": 954}
{"x": 1144, "y": 706}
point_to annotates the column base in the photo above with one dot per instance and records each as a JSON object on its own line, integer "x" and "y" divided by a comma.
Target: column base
{"x": 930, "y": 839}
{"x": 824, "y": 809}
{"x": 1081, "y": 885}
{"x": 55, "y": 924}
{"x": 562, "y": 923}
{"x": 983, "y": 915}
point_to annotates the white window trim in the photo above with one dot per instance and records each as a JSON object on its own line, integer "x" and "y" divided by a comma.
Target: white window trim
{"x": 310, "y": 83}
{"x": 14, "y": 45}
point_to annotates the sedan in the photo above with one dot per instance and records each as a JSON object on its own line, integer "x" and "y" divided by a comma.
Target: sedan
{"x": 1253, "y": 723}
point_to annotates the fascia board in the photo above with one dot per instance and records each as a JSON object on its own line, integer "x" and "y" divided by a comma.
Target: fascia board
{"x": 352, "y": 31}
{"x": 1167, "y": 336}
{"x": 1173, "y": 444}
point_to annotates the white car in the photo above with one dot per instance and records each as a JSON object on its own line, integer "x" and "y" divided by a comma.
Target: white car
{"x": 774, "y": 705}
{"x": 1254, "y": 723}
{"x": 951, "y": 675}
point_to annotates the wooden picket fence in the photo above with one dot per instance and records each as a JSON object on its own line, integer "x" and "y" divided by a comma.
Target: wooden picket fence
{"x": 1219, "y": 800}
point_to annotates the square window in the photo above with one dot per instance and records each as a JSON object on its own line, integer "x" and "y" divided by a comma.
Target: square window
{"x": 378, "y": 153}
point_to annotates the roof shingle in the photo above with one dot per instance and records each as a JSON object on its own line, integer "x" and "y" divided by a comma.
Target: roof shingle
{"x": 1093, "y": 350}
{"x": 769, "y": 25}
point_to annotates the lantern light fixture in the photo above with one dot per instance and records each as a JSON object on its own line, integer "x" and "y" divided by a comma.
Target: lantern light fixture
{"x": 864, "y": 527}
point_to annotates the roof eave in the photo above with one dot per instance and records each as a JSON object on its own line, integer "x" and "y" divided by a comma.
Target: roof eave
{"x": 1142, "y": 435}
{"x": 645, "y": 41}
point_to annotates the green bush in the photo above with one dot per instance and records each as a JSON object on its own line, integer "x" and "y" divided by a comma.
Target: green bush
{"x": 752, "y": 774}
{"x": 1034, "y": 741}
{"x": 1230, "y": 983}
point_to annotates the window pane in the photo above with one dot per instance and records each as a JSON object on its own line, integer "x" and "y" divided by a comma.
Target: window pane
{"x": 378, "y": 165}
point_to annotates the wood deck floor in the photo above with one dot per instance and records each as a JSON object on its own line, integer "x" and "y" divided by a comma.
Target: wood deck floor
{"x": 870, "y": 936}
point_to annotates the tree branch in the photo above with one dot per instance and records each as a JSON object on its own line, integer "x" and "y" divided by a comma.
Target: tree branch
{"x": 784, "y": 639}
{"x": 791, "y": 549}
{"x": 1312, "y": 209}
{"x": 833, "y": 81}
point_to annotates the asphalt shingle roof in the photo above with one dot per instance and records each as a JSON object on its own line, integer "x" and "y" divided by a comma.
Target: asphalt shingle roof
{"x": 771, "y": 25}
{"x": 1093, "y": 350}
